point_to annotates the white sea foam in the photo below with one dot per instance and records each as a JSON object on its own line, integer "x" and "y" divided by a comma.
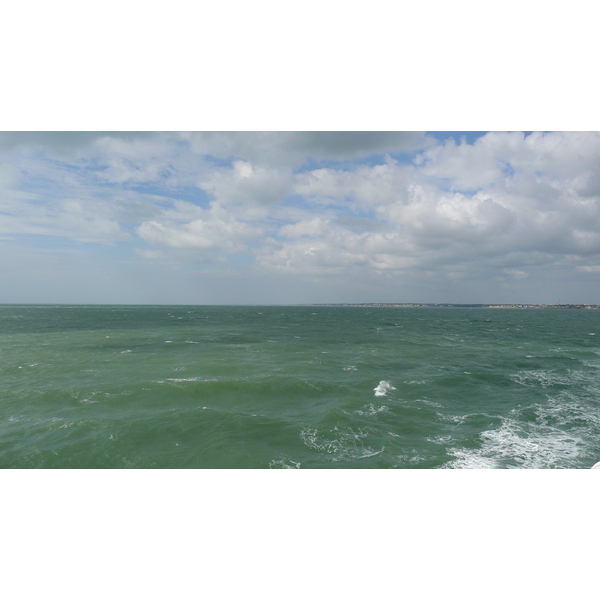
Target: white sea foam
{"x": 373, "y": 453}
{"x": 549, "y": 378}
{"x": 12, "y": 419}
{"x": 370, "y": 410}
{"x": 566, "y": 409}
{"x": 88, "y": 401}
{"x": 342, "y": 443}
{"x": 452, "y": 418}
{"x": 284, "y": 463}
{"x": 413, "y": 458}
{"x": 350, "y": 368}
{"x": 383, "y": 388}
{"x": 440, "y": 439}
{"x": 429, "y": 402}
{"x": 516, "y": 446}
{"x": 469, "y": 459}
{"x": 564, "y": 430}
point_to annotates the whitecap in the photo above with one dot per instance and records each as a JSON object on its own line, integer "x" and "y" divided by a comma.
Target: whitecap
{"x": 346, "y": 443}
{"x": 549, "y": 378}
{"x": 383, "y": 388}
{"x": 373, "y": 453}
{"x": 429, "y": 402}
{"x": 284, "y": 463}
{"x": 440, "y": 439}
{"x": 520, "y": 445}
{"x": 370, "y": 410}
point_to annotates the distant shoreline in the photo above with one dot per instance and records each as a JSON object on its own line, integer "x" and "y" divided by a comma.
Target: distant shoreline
{"x": 449, "y": 305}
{"x": 340, "y": 304}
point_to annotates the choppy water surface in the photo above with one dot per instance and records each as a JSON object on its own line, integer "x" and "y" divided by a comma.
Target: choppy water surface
{"x": 298, "y": 387}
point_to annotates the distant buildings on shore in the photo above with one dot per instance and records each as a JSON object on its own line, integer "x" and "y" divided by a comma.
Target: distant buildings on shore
{"x": 415, "y": 305}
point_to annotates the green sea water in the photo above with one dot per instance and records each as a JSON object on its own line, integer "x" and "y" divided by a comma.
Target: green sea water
{"x": 298, "y": 387}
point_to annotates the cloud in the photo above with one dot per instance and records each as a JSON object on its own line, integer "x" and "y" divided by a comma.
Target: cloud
{"x": 516, "y": 274}
{"x": 588, "y": 269}
{"x": 150, "y": 254}
{"x": 9, "y": 177}
{"x": 212, "y": 230}
{"x": 64, "y": 142}
{"x": 519, "y": 202}
{"x": 306, "y": 204}
{"x": 366, "y": 188}
{"x": 197, "y": 234}
{"x": 65, "y": 220}
{"x": 247, "y": 183}
{"x": 346, "y": 145}
{"x": 292, "y": 149}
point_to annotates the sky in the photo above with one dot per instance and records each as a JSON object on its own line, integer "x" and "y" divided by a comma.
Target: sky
{"x": 299, "y": 217}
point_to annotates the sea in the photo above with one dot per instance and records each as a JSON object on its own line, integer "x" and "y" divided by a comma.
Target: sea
{"x": 298, "y": 387}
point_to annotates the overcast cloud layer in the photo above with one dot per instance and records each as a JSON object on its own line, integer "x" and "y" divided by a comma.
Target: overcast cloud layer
{"x": 299, "y": 217}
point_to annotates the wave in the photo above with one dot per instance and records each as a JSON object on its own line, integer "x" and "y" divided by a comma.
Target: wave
{"x": 383, "y": 388}
{"x": 560, "y": 434}
{"x": 341, "y": 443}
